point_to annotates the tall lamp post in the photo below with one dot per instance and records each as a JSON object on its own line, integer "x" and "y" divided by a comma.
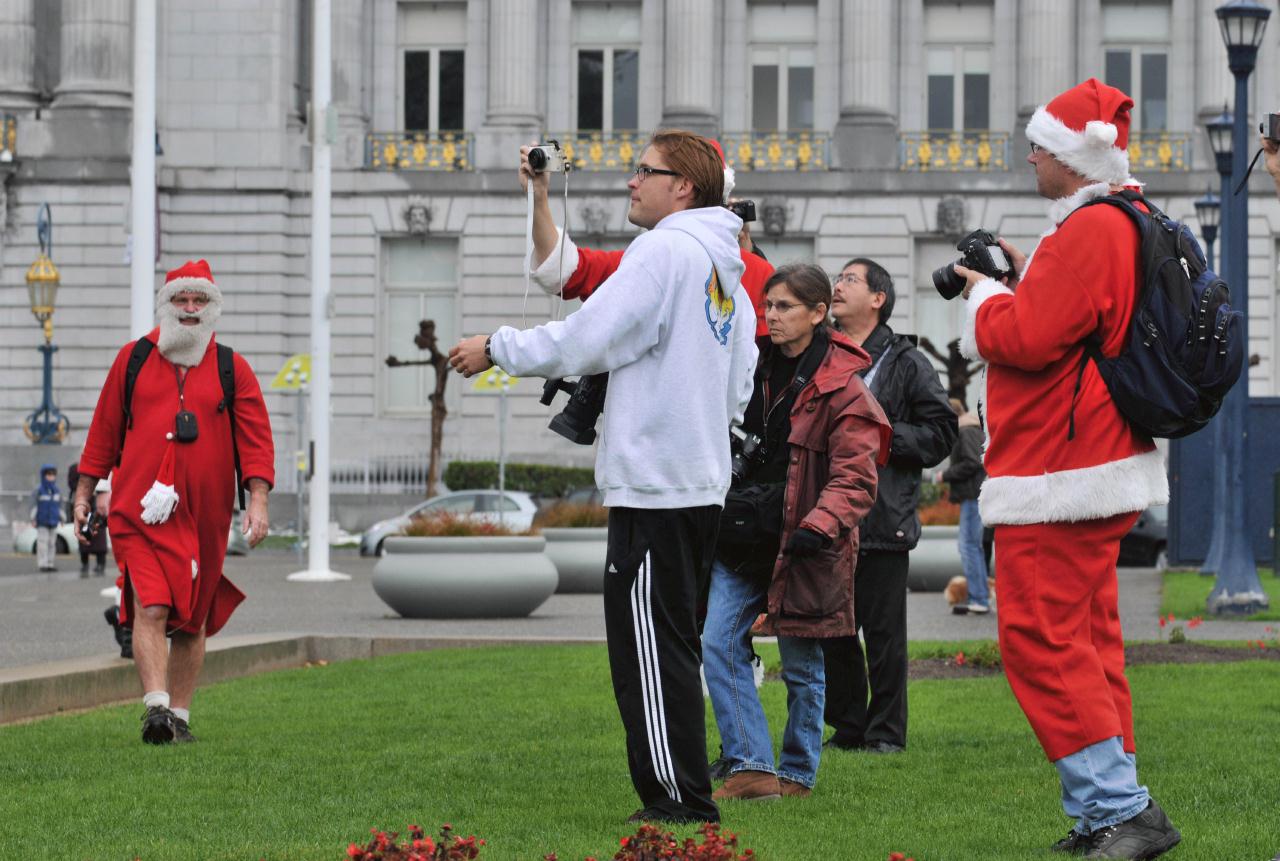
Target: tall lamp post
{"x": 1219, "y": 130}
{"x": 1208, "y": 214}
{"x": 45, "y": 426}
{"x": 1238, "y": 589}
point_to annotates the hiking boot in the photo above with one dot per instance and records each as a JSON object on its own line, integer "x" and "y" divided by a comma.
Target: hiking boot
{"x": 749, "y": 786}
{"x": 719, "y": 769}
{"x": 794, "y": 789}
{"x": 1145, "y": 836}
{"x": 834, "y": 743}
{"x": 181, "y": 731}
{"x": 884, "y": 747}
{"x": 1075, "y": 843}
{"x": 158, "y": 725}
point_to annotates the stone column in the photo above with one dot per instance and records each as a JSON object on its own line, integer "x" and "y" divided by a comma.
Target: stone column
{"x": 513, "y": 117}
{"x": 350, "y": 29}
{"x": 1214, "y": 85}
{"x": 692, "y": 42}
{"x": 1046, "y": 31}
{"x": 867, "y": 133}
{"x": 97, "y": 55}
{"x": 17, "y": 53}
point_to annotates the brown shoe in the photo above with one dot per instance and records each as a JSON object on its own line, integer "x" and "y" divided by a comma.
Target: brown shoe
{"x": 749, "y": 786}
{"x": 793, "y": 789}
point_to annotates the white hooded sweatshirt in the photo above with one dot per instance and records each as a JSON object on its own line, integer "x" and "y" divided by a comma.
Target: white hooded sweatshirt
{"x": 677, "y": 336}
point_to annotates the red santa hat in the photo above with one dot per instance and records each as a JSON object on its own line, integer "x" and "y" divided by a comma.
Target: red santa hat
{"x": 1087, "y": 129}
{"x": 193, "y": 276}
{"x": 162, "y": 498}
{"x": 728, "y": 171}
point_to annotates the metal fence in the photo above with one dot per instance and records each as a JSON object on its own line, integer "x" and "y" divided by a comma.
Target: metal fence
{"x": 380, "y": 474}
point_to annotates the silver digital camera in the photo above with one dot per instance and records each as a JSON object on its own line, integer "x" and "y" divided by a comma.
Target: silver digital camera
{"x": 1271, "y": 128}
{"x": 547, "y": 157}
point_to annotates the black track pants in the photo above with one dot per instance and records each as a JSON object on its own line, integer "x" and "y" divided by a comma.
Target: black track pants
{"x": 658, "y": 565}
{"x": 880, "y": 610}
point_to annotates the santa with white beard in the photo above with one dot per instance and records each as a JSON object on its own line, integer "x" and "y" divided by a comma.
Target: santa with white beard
{"x": 173, "y": 449}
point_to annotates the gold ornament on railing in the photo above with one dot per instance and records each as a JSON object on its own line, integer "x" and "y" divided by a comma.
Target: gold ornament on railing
{"x": 446, "y": 151}
{"x": 973, "y": 150}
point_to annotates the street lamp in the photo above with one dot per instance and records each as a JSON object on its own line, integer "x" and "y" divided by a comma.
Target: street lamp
{"x": 45, "y": 426}
{"x": 1208, "y": 213}
{"x": 1238, "y": 589}
{"x": 1219, "y": 130}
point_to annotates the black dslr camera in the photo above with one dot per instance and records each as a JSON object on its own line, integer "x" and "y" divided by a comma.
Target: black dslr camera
{"x": 577, "y": 421}
{"x": 744, "y": 209}
{"x": 980, "y": 252}
{"x": 92, "y": 525}
{"x": 746, "y": 453}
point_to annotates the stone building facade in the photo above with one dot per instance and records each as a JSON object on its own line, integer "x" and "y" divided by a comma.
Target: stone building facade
{"x": 883, "y": 128}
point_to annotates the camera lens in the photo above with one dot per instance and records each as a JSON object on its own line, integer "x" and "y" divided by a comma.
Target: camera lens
{"x": 945, "y": 280}
{"x": 537, "y": 158}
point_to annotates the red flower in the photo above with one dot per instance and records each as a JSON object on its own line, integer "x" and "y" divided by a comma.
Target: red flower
{"x": 897, "y": 856}
{"x": 1171, "y": 618}
{"x": 1195, "y": 622}
{"x": 354, "y": 851}
{"x": 1162, "y": 622}
{"x": 960, "y": 661}
{"x": 1262, "y": 644}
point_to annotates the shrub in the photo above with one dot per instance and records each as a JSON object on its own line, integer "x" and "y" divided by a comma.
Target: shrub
{"x": 446, "y": 524}
{"x": 449, "y": 847}
{"x": 931, "y": 493}
{"x": 942, "y": 512}
{"x": 572, "y": 515}
{"x": 535, "y": 478}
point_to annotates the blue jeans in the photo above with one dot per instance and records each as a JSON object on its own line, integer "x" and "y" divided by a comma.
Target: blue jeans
{"x": 971, "y": 555}
{"x": 732, "y": 606}
{"x": 1100, "y": 786}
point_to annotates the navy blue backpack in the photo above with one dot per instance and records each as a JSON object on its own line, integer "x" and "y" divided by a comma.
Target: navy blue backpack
{"x": 1185, "y": 346}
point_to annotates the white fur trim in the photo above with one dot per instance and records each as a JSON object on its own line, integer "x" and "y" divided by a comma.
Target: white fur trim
{"x": 1090, "y": 493}
{"x": 159, "y": 503}
{"x": 195, "y": 285}
{"x": 982, "y": 291}
{"x": 1062, "y": 207}
{"x": 552, "y": 273}
{"x": 1087, "y": 152}
{"x": 729, "y": 183}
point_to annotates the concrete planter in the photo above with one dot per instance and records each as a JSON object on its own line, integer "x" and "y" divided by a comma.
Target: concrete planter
{"x": 464, "y": 578}
{"x": 579, "y": 557}
{"x": 935, "y": 560}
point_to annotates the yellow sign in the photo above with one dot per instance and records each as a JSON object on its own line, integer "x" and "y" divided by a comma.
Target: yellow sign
{"x": 295, "y": 374}
{"x": 494, "y": 380}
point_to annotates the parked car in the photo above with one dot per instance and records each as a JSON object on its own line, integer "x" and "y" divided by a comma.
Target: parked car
{"x": 1145, "y": 544}
{"x": 25, "y": 541}
{"x": 516, "y": 513}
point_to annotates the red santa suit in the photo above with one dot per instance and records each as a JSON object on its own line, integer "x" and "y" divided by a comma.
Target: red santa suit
{"x": 178, "y": 563}
{"x": 1061, "y": 499}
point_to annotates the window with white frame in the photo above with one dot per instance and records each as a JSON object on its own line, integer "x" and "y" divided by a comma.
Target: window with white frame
{"x": 606, "y": 46}
{"x": 958, "y": 64}
{"x": 1136, "y": 40}
{"x": 419, "y": 282}
{"x": 431, "y": 73}
{"x": 782, "y": 52}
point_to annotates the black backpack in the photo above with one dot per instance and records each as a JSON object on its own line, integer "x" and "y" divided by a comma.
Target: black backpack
{"x": 226, "y": 376}
{"x": 1185, "y": 347}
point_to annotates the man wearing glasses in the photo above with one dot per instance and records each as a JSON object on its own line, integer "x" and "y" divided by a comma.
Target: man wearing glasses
{"x": 675, "y": 330}
{"x": 924, "y": 431}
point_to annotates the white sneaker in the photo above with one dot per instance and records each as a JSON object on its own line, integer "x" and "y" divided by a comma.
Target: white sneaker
{"x": 977, "y": 609}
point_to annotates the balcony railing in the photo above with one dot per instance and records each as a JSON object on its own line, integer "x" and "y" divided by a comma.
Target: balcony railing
{"x": 1159, "y": 151}
{"x": 777, "y": 151}
{"x": 447, "y": 151}
{"x": 971, "y": 150}
{"x": 614, "y": 150}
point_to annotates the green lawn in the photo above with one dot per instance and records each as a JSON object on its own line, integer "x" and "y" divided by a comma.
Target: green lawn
{"x": 1185, "y": 593}
{"x": 522, "y": 746}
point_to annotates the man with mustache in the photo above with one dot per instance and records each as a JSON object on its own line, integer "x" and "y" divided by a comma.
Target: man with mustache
{"x": 176, "y": 441}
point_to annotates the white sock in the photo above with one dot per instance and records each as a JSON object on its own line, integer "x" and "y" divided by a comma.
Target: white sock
{"x": 156, "y": 698}
{"x": 182, "y": 714}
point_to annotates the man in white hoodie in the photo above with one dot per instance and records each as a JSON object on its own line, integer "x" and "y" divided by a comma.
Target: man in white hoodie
{"x": 675, "y": 330}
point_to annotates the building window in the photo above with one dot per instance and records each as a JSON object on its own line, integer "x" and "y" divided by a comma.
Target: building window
{"x": 432, "y": 72}
{"x": 1136, "y": 48}
{"x": 782, "y": 56}
{"x": 420, "y": 282}
{"x": 958, "y": 57}
{"x": 606, "y": 39}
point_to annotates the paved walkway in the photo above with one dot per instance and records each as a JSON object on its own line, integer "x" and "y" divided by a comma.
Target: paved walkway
{"x": 48, "y": 617}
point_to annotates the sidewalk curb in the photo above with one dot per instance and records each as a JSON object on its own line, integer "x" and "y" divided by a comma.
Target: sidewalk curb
{"x": 79, "y": 683}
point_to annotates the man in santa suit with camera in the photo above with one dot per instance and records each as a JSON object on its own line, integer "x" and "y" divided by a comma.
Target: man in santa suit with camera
{"x": 173, "y": 442}
{"x": 1067, "y": 474}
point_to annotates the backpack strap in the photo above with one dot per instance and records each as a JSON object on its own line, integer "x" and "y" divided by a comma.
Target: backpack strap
{"x": 137, "y": 358}
{"x": 227, "y": 377}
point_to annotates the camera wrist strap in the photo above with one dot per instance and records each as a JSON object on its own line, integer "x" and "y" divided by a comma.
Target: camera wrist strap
{"x": 528, "y": 256}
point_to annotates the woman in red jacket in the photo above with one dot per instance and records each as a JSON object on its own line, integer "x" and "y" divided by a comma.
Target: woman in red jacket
{"x": 789, "y": 540}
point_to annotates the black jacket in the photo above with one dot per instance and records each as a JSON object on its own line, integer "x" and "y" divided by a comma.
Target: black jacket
{"x": 965, "y": 474}
{"x": 924, "y": 431}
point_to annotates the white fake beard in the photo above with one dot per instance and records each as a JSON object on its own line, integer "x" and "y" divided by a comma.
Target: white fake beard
{"x": 185, "y": 345}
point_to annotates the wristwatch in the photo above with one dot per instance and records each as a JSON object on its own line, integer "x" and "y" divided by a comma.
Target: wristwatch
{"x": 488, "y": 356}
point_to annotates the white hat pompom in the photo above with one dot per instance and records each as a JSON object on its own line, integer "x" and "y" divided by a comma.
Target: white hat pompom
{"x": 728, "y": 183}
{"x": 1098, "y": 133}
